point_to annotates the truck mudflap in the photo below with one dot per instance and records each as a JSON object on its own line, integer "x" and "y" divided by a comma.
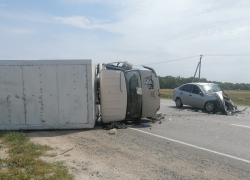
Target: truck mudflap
{"x": 225, "y": 104}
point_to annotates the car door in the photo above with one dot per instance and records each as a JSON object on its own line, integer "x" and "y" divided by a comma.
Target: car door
{"x": 196, "y": 98}
{"x": 185, "y": 92}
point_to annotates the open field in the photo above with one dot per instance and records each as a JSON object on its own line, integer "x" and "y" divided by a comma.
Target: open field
{"x": 239, "y": 97}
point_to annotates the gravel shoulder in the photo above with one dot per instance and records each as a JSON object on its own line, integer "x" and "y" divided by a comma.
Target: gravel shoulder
{"x": 129, "y": 155}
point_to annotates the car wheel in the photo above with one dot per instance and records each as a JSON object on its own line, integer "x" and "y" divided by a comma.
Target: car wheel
{"x": 178, "y": 102}
{"x": 209, "y": 107}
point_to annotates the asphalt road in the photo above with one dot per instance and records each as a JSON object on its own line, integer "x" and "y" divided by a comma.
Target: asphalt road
{"x": 217, "y": 138}
{"x": 187, "y": 144}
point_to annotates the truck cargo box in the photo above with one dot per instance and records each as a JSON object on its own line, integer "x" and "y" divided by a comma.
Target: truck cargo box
{"x": 47, "y": 94}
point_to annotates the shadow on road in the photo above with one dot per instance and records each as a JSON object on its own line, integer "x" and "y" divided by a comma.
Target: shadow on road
{"x": 56, "y": 132}
{"x": 144, "y": 124}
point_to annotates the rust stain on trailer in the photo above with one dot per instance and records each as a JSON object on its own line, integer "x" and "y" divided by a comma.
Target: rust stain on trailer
{"x": 41, "y": 106}
{"x": 9, "y": 107}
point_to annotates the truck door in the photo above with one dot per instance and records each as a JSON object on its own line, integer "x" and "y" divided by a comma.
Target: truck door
{"x": 150, "y": 93}
{"x": 113, "y": 95}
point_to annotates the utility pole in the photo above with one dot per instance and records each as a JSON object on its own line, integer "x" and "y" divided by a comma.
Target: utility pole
{"x": 198, "y": 66}
{"x": 200, "y": 70}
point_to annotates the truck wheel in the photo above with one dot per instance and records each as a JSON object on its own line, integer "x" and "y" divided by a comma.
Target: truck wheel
{"x": 178, "y": 102}
{"x": 209, "y": 107}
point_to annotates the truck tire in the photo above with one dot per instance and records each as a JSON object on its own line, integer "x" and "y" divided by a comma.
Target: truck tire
{"x": 178, "y": 103}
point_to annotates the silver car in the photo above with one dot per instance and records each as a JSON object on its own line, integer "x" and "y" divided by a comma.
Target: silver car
{"x": 199, "y": 95}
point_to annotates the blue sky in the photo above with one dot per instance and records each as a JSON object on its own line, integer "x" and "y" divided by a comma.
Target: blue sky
{"x": 137, "y": 31}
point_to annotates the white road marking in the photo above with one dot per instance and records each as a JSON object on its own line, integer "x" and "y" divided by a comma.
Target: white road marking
{"x": 240, "y": 125}
{"x": 197, "y": 147}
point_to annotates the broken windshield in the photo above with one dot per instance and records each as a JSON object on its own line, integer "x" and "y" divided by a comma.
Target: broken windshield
{"x": 210, "y": 88}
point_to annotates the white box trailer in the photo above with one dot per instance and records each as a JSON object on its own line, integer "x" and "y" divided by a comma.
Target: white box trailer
{"x": 47, "y": 94}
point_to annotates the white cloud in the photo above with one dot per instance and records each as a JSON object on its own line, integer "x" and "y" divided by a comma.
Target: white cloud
{"x": 79, "y": 21}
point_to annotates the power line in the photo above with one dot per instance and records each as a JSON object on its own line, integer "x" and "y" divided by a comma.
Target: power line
{"x": 246, "y": 54}
{"x": 214, "y": 55}
{"x": 171, "y": 60}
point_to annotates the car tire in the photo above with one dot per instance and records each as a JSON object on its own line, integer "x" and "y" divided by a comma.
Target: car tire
{"x": 209, "y": 107}
{"x": 178, "y": 103}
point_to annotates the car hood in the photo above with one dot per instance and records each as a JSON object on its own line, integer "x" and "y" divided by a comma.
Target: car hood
{"x": 219, "y": 95}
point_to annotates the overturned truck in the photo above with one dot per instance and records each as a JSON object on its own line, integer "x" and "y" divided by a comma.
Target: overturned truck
{"x": 73, "y": 94}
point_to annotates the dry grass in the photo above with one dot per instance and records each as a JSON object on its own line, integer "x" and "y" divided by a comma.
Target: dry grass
{"x": 166, "y": 93}
{"x": 239, "y": 97}
{"x": 23, "y": 162}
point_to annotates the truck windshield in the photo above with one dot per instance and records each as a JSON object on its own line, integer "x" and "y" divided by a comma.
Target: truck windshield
{"x": 210, "y": 88}
{"x": 134, "y": 90}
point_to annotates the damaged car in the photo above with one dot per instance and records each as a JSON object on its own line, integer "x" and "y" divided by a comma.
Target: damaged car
{"x": 207, "y": 96}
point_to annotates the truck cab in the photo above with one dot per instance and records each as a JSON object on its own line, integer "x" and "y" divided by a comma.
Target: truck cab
{"x": 127, "y": 93}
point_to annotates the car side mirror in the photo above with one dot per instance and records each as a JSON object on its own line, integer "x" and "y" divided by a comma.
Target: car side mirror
{"x": 200, "y": 93}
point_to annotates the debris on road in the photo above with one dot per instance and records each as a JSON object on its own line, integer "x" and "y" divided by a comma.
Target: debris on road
{"x": 239, "y": 112}
{"x": 66, "y": 151}
{"x": 158, "y": 117}
{"x": 112, "y": 131}
{"x": 117, "y": 125}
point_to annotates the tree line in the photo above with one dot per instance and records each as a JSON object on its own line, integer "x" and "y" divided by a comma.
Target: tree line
{"x": 170, "y": 82}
